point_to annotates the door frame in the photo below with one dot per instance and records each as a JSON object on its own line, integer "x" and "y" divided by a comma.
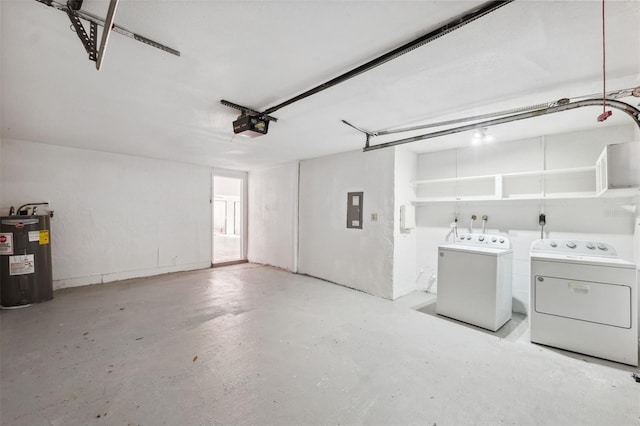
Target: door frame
{"x": 244, "y": 179}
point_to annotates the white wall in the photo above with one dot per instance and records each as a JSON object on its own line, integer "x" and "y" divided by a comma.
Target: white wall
{"x": 356, "y": 258}
{"x": 116, "y": 216}
{"x": 581, "y": 219}
{"x": 273, "y": 216}
{"x": 405, "y": 243}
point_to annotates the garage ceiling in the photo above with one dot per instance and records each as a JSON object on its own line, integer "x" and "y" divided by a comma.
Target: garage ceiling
{"x": 148, "y": 103}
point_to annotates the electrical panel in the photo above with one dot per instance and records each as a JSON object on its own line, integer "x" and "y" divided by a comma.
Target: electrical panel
{"x": 354, "y": 210}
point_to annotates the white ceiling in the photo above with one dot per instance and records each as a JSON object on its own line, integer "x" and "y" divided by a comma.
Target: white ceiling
{"x": 149, "y": 103}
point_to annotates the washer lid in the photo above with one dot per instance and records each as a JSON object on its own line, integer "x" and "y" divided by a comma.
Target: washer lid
{"x": 475, "y": 249}
{"x": 613, "y": 262}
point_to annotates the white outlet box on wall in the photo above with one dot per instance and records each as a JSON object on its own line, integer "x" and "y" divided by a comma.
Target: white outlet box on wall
{"x": 407, "y": 217}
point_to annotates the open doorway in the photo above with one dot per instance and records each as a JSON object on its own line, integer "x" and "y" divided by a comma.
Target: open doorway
{"x": 229, "y": 218}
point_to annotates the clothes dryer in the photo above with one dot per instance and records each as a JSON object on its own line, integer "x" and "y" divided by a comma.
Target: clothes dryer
{"x": 584, "y": 299}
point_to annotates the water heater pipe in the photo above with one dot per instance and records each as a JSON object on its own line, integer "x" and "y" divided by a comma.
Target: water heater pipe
{"x": 50, "y": 212}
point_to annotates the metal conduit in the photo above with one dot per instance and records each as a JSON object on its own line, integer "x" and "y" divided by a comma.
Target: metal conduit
{"x": 630, "y": 110}
{"x": 616, "y": 94}
{"x": 465, "y": 119}
{"x": 452, "y": 121}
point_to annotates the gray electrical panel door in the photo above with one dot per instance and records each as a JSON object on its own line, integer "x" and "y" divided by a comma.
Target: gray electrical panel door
{"x": 354, "y": 210}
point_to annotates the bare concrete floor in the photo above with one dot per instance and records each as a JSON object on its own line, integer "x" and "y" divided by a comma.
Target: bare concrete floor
{"x": 251, "y": 344}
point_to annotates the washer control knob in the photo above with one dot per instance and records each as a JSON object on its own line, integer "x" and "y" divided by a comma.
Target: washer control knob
{"x": 468, "y": 237}
{"x": 553, "y": 244}
{"x": 591, "y": 246}
{"x": 461, "y": 237}
{"x": 602, "y": 247}
{"x": 481, "y": 238}
{"x": 571, "y": 244}
{"x": 494, "y": 239}
{"x": 501, "y": 240}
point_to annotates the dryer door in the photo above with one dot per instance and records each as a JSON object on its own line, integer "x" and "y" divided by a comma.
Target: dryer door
{"x": 602, "y": 303}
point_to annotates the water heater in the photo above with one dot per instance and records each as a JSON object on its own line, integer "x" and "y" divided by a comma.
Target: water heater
{"x": 25, "y": 260}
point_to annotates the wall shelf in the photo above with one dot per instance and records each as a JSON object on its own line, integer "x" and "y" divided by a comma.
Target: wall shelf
{"x": 616, "y": 174}
{"x": 499, "y": 187}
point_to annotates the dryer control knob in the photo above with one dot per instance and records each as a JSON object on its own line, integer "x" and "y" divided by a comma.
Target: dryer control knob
{"x": 494, "y": 239}
{"x": 571, "y": 244}
{"x": 590, "y": 246}
{"x": 468, "y": 237}
{"x": 553, "y": 244}
{"x": 501, "y": 240}
{"x": 461, "y": 237}
{"x": 602, "y": 247}
{"x": 481, "y": 238}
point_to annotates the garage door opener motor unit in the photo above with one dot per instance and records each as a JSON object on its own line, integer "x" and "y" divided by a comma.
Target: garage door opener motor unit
{"x": 250, "y": 126}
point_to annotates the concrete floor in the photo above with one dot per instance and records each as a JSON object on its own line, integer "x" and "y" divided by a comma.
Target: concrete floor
{"x": 226, "y": 248}
{"x": 250, "y": 344}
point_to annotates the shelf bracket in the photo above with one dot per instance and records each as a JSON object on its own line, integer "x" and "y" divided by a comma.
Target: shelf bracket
{"x": 498, "y": 186}
{"x": 88, "y": 40}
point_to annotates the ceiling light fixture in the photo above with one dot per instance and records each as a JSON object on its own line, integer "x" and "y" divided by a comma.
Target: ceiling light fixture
{"x": 481, "y": 135}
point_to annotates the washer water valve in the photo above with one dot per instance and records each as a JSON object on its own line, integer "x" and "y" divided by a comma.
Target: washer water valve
{"x": 473, "y": 218}
{"x": 454, "y": 228}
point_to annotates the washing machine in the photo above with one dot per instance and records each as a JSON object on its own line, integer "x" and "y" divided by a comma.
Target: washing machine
{"x": 474, "y": 280}
{"x": 584, "y": 299}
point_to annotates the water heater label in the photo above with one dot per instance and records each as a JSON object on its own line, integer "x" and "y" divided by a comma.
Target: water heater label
{"x": 21, "y": 265}
{"x": 6, "y": 243}
{"x": 40, "y": 236}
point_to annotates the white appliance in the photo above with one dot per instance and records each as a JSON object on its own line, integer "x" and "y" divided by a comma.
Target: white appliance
{"x": 584, "y": 299}
{"x": 474, "y": 280}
